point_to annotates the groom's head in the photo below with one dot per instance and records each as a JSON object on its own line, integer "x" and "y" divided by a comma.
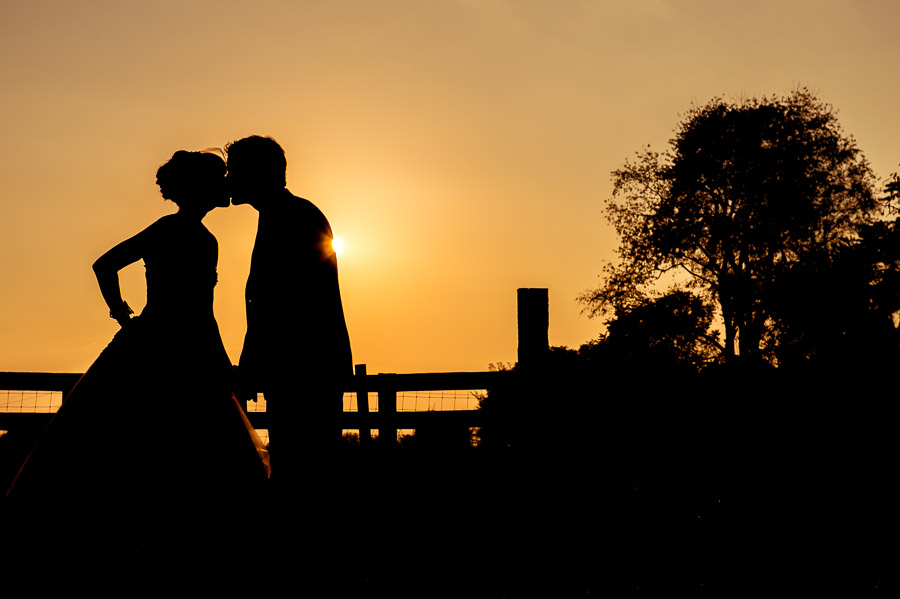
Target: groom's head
{"x": 256, "y": 168}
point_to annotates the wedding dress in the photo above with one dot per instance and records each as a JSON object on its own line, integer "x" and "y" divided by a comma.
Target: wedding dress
{"x": 153, "y": 426}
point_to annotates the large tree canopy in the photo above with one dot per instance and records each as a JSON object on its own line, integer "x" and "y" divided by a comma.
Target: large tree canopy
{"x": 747, "y": 191}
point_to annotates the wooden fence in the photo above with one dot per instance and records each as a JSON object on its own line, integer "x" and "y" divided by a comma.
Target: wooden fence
{"x": 387, "y": 419}
{"x": 533, "y": 322}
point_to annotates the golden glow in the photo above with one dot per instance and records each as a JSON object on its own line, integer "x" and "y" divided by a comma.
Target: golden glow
{"x": 337, "y": 244}
{"x": 456, "y": 172}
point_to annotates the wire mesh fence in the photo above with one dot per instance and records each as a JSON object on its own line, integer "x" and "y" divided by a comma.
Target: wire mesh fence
{"x": 47, "y": 402}
{"x": 423, "y": 401}
{"x": 30, "y": 402}
{"x": 407, "y": 401}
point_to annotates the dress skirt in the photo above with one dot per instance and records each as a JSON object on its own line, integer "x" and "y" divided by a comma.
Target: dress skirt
{"x": 151, "y": 427}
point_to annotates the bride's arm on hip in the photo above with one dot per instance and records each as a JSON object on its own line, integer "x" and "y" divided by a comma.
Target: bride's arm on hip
{"x": 107, "y": 268}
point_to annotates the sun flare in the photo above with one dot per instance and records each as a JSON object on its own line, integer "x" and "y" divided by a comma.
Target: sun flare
{"x": 337, "y": 244}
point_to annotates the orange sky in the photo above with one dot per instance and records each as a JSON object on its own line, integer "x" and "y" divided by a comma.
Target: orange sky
{"x": 461, "y": 148}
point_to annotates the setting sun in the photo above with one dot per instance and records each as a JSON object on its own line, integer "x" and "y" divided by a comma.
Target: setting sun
{"x": 337, "y": 244}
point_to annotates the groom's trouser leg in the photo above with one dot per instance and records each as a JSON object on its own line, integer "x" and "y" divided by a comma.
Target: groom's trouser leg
{"x": 304, "y": 433}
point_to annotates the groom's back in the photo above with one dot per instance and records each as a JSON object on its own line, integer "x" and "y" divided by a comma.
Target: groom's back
{"x": 293, "y": 296}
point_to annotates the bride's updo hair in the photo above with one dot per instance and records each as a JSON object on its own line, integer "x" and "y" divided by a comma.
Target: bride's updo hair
{"x": 187, "y": 176}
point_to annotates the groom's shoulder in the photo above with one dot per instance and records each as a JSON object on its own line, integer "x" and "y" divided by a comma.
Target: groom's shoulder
{"x": 305, "y": 207}
{"x": 297, "y": 201}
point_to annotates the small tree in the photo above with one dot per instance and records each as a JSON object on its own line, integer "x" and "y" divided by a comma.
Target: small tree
{"x": 747, "y": 191}
{"x": 669, "y": 333}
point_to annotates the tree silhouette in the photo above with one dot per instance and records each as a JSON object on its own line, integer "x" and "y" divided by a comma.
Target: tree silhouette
{"x": 669, "y": 333}
{"x": 843, "y": 311}
{"x": 747, "y": 191}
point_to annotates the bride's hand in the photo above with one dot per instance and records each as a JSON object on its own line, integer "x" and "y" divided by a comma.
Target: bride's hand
{"x": 122, "y": 314}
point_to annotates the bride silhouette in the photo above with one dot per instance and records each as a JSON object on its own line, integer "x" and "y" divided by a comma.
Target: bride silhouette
{"x": 152, "y": 431}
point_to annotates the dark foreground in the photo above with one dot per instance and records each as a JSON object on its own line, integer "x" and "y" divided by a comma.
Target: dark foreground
{"x": 686, "y": 500}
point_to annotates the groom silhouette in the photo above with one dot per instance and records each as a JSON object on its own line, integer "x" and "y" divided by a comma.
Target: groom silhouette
{"x": 296, "y": 350}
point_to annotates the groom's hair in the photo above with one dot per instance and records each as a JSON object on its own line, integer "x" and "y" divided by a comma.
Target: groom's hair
{"x": 262, "y": 155}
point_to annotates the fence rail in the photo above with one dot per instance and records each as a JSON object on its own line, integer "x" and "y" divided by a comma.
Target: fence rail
{"x": 387, "y": 419}
{"x": 533, "y": 322}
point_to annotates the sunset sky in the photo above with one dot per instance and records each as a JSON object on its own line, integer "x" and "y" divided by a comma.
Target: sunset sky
{"x": 460, "y": 148}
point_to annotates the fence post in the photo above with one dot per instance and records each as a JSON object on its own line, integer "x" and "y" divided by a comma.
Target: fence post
{"x": 362, "y": 405}
{"x": 387, "y": 410}
{"x": 534, "y": 324}
{"x": 523, "y": 420}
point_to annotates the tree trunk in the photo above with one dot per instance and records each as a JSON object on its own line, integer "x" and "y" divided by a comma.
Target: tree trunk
{"x": 730, "y": 349}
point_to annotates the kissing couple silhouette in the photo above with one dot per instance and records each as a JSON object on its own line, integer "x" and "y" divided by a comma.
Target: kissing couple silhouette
{"x": 114, "y": 452}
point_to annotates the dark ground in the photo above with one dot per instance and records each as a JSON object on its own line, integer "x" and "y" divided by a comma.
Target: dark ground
{"x": 688, "y": 500}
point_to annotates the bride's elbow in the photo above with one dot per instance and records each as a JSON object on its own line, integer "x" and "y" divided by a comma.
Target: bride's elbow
{"x": 103, "y": 266}
{"x": 99, "y": 265}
